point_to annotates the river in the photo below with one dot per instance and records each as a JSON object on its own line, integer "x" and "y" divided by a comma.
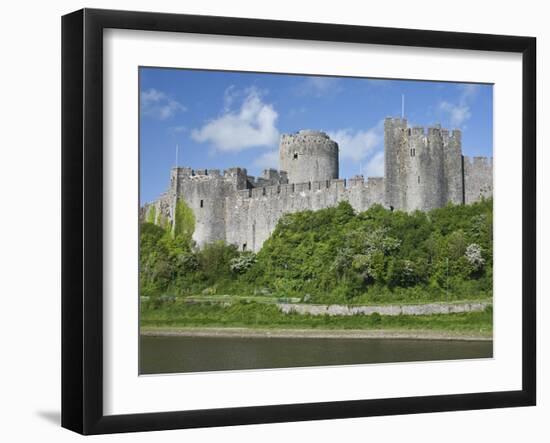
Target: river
{"x": 172, "y": 354}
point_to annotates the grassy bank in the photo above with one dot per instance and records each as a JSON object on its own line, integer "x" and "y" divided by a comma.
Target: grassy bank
{"x": 267, "y": 316}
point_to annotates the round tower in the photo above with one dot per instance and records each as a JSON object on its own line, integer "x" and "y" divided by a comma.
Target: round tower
{"x": 308, "y": 156}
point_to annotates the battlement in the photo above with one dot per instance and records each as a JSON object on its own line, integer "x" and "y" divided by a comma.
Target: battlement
{"x": 316, "y": 186}
{"x": 479, "y": 161}
{"x": 416, "y": 131}
{"x": 421, "y": 131}
{"x": 186, "y": 172}
{"x": 308, "y": 140}
{"x": 395, "y": 121}
{"x": 238, "y": 176}
{"x": 304, "y": 133}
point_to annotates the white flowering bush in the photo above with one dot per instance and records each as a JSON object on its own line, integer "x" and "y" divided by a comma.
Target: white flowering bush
{"x": 474, "y": 257}
{"x": 243, "y": 262}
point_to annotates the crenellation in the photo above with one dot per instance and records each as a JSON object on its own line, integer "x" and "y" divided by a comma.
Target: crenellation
{"x": 418, "y": 131}
{"x": 339, "y": 184}
{"x": 257, "y": 192}
{"x": 301, "y": 187}
{"x": 423, "y": 169}
{"x": 244, "y": 193}
{"x": 318, "y": 185}
{"x": 272, "y": 190}
{"x": 356, "y": 180}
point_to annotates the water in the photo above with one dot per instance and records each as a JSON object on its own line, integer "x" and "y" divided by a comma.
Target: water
{"x": 194, "y": 354}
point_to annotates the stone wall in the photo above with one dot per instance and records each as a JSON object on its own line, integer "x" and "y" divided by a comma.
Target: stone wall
{"x": 421, "y": 309}
{"x": 205, "y": 191}
{"x": 252, "y": 215}
{"x": 452, "y": 154}
{"x": 478, "y": 178}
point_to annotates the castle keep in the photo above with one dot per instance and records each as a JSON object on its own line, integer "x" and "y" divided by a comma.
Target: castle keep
{"x": 422, "y": 170}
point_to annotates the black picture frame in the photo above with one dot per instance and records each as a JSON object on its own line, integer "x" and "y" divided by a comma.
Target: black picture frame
{"x": 82, "y": 218}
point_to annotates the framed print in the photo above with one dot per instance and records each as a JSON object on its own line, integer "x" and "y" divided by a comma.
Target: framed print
{"x": 269, "y": 221}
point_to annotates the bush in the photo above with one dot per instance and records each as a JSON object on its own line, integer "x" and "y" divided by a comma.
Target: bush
{"x": 334, "y": 255}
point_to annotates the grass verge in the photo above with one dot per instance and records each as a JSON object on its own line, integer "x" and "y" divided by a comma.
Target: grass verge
{"x": 266, "y": 316}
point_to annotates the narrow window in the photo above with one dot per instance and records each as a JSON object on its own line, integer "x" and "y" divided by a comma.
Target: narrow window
{"x": 295, "y": 156}
{"x": 244, "y": 246}
{"x": 202, "y": 203}
{"x": 419, "y": 179}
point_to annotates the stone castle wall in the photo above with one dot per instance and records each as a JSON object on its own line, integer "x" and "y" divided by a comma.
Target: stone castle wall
{"x": 252, "y": 215}
{"x": 423, "y": 170}
{"x": 478, "y": 178}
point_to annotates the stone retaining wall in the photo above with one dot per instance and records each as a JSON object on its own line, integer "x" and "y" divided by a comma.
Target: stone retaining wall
{"x": 423, "y": 309}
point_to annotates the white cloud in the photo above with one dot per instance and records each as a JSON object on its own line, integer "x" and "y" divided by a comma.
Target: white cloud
{"x": 375, "y": 166}
{"x": 460, "y": 112}
{"x": 358, "y": 145}
{"x": 157, "y": 104}
{"x": 319, "y": 86}
{"x": 253, "y": 125}
{"x": 229, "y": 96}
{"x": 267, "y": 160}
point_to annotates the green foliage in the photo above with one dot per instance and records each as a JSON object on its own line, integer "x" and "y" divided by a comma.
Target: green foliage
{"x": 243, "y": 262}
{"x": 334, "y": 256}
{"x": 171, "y": 264}
{"x": 184, "y": 225}
{"x": 152, "y": 214}
{"x": 215, "y": 260}
{"x": 379, "y": 255}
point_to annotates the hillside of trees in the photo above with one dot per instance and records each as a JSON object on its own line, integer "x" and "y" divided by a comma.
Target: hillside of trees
{"x": 332, "y": 255}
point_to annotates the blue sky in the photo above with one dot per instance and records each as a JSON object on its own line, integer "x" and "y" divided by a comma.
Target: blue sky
{"x": 225, "y": 119}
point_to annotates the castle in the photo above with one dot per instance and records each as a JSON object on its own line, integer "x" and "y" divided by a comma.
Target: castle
{"x": 422, "y": 171}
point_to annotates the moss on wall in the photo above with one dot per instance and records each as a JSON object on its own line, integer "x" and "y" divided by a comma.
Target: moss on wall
{"x": 184, "y": 221}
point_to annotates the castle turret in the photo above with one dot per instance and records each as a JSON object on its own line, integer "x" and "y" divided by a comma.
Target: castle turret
{"x": 396, "y": 144}
{"x": 308, "y": 156}
{"x": 454, "y": 182}
{"x": 422, "y": 170}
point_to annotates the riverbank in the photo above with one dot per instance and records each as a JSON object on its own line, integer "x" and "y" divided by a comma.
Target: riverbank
{"x": 269, "y": 317}
{"x": 309, "y": 333}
